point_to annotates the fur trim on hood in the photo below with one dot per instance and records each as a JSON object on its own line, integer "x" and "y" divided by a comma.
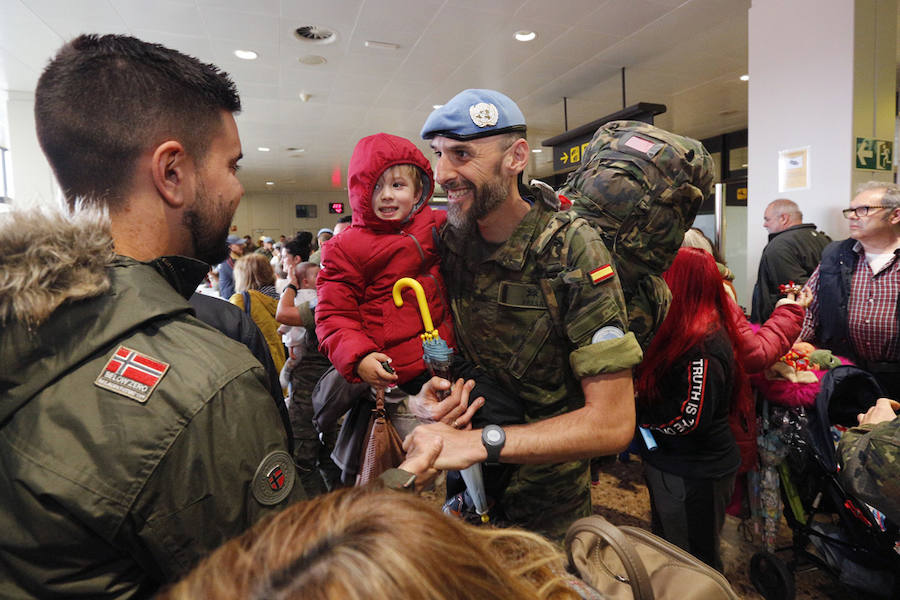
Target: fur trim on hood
{"x": 50, "y": 256}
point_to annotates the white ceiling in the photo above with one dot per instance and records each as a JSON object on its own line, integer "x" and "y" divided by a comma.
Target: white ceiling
{"x": 687, "y": 54}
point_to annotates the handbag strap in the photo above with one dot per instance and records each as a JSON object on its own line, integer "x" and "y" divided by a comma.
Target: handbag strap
{"x": 624, "y": 549}
{"x": 246, "y": 302}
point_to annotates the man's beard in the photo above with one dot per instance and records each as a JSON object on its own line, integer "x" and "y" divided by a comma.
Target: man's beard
{"x": 485, "y": 198}
{"x": 209, "y": 237}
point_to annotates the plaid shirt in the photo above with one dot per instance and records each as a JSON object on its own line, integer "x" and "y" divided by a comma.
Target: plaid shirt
{"x": 872, "y": 308}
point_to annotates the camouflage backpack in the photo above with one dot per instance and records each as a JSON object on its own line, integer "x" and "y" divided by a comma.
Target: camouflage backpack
{"x": 641, "y": 187}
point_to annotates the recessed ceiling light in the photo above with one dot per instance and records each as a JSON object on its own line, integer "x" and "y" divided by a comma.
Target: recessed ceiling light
{"x": 436, "y": 106}
{"x": 270, "y": 183}
{"x": 745, "y": 78}
{"x": 312, "y": 60}
{"x": 246, "y": 54}
{"x": 263, "y": 149}
{"x": 536, "y": 150}
{"x": 524, "y": 35}
{"x": 295, "y": 149}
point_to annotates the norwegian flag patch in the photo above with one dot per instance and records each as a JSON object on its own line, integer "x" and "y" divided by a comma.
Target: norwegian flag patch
{"x": 131, "y": 374}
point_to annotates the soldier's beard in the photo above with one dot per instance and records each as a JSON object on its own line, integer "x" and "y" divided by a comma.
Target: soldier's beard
{"x": 208, "y": 228}
{"x": 485, "y": 198}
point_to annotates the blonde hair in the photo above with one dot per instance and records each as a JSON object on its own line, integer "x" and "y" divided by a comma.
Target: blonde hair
{"x": 369, "y": 543}
{"x": 251, "y": 272}
{"x": 411, "y": 171}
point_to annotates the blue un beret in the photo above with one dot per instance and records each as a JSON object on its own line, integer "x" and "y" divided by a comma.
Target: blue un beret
{"x": 473, "y": 114}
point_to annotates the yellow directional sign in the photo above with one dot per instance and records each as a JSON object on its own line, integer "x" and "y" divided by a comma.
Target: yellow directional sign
{"x": 875, "y": 155}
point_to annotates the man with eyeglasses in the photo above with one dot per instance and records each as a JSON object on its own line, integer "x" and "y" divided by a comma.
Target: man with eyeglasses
{"x": 856, "y": 288}
{"x": 792, "y": 254}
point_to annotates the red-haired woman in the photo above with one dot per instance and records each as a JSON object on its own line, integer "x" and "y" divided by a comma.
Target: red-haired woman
{"x": 685, "y": 387}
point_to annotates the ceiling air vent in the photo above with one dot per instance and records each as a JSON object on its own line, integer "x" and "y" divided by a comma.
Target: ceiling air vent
{"x": 315, "y": 34}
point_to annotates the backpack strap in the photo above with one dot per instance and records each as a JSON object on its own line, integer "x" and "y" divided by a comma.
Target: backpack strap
{"x": 551, "y": 251}
{"x": 246, "y": 296}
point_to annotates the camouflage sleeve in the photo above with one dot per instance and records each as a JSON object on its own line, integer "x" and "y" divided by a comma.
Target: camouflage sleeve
{"x": 594, "y": 301}
{"x": 870, "y": 465}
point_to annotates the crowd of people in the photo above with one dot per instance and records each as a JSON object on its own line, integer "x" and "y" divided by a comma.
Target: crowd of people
{"x": 151, "y": 434}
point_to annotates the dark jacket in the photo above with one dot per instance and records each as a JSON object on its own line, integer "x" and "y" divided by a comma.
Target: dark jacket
{"x": 356, "y": 314}
{"x": 113, "y": 483}
{"x": 690, "y": 420}
{"x": 791, "y": 255}
{"x": 835, "y": 280}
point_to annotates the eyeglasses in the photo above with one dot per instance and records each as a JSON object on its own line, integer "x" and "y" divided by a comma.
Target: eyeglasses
{"x": 861, "y": 211}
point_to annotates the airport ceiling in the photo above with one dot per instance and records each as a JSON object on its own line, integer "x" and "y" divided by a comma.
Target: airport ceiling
{"x": 686, "y": 54}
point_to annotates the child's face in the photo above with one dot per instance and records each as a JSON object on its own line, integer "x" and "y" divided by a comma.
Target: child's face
{"x": 395, "y": 195}
{"x": 309, "y": 282}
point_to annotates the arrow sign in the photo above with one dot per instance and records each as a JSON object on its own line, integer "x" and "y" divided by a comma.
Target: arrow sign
{"x": 864, "y": 153}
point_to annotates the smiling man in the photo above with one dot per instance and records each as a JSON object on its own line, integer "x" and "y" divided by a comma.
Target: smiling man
{"x": 856, "y": 288}
{"x": 536, "y": 304}
{"x": 134, "y": 438}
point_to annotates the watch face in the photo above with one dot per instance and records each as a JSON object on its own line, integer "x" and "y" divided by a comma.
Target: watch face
{"x": 493, "y": 436}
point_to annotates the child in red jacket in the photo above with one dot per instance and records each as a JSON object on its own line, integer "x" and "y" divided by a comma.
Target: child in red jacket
{"x": 392, "y": 235}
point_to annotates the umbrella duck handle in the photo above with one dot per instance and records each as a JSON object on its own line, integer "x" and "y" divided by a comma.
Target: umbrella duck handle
{"x": 406, "y": 282}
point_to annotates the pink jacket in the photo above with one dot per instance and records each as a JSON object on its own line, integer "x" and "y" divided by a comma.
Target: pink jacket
{"x": 756, "y": 351}
{"x": 759, "y": 350}
{"x": 356, "y": 314}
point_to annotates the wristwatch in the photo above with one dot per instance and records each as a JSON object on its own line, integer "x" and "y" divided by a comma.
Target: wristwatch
{"x": 291, "y": 286}
{"x": 493, "y": 437}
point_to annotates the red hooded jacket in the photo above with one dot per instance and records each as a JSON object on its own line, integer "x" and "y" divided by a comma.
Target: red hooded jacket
{"x": 356, "y": 313}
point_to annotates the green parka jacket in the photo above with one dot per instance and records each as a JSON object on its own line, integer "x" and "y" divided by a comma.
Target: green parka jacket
{"x": 117, "y": 477}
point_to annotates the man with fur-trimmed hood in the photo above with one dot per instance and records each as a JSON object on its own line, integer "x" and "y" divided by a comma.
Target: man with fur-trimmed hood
{"x": 134, "y": 438}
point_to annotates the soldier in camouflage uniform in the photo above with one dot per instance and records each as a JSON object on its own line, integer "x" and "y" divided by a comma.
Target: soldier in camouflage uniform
{"x": 536, "y": 304}
{"x": 870, "y": 459}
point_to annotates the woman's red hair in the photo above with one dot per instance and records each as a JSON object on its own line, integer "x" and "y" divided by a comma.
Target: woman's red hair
{"x": 699, "y": 307}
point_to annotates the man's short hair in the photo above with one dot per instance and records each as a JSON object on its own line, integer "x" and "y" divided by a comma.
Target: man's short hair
{"x": 103, "y": 100}
{"x": 891, "y": 196}
{"x": 783, "y": 206}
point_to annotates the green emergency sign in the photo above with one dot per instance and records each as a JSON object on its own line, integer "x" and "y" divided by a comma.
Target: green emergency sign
{"x": 874, "y": 155}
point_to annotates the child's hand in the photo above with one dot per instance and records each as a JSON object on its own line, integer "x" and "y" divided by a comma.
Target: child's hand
{"x": 372, "y": 372}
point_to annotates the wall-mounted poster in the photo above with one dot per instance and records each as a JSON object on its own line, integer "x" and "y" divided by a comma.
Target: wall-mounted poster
{"x": 793, "y": 169}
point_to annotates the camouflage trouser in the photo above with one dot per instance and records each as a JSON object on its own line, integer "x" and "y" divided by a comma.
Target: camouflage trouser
{"x": 548, "y": 498}
{"x": 316, "y": 470}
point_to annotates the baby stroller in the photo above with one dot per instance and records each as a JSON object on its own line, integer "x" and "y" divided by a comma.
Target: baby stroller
{"x": 852, "y": 541}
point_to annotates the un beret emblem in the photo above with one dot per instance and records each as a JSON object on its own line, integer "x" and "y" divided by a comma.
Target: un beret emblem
{"x": 484, "y": 114}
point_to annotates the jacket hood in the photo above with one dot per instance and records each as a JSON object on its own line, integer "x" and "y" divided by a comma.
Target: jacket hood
{"x": 64, "y": 295}
{"x": 371, "y": 157}
{"x": 48, "y": 257}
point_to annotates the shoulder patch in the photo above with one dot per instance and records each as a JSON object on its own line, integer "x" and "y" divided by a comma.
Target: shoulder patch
{"x": 131, "y": 374}
{"x": 274, "y": 478}
{"x": 601, "y": 273}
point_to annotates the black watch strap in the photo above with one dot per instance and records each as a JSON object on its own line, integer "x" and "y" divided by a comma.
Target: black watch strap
{"x": 292, "y": 286}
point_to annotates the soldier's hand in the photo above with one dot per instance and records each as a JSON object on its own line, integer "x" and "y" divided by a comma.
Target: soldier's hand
{"x": 882, "y": 411}
{"x": 459, "y": 448}
{"x": 454, "y": 410}
{"x": 421, "y": 457}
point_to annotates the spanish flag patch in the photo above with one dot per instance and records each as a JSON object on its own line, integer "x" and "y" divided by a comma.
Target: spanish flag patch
{"x": 601, "y": 274}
